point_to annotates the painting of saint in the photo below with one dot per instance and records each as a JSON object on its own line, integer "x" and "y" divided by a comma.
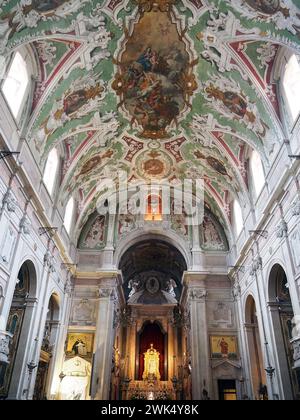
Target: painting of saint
{"x": 80, "y": 344}
{"x": 224, "y": 347}
{"x": 154, "y": 72}
{"x": 268, "y": 7}
{"x": 232, "y": 101}
{"x": 93, "y": 162}
{"x": 214, "y": 163}
{"x": 76, "y": 100}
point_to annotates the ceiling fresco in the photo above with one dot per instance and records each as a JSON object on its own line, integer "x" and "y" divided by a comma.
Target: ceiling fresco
{"x": 160, "y": 89}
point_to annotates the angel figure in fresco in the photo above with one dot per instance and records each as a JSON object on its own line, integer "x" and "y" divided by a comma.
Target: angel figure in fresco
{"x": 234, "y": 102}
{"x": 72, "y": 105}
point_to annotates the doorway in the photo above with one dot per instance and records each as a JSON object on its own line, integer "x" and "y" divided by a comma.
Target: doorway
{"x": 227, "y": 390}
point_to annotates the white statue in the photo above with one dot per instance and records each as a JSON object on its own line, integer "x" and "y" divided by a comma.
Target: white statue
{"x": 133, "y": 285}
{"x": 171, "y": 286}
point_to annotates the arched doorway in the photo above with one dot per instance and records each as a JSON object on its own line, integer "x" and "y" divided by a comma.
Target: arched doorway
{"x": 258, "y": 374}
{"x": 282, "y": 319}
{"x": 18, "y": 324}
{"x": 47, "y": 350}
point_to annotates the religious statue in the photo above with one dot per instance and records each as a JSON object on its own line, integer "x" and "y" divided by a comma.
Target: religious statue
{"x": 151, "y": 364}
{"x": 170, "y": 287}
{"x": 133, "y": 286}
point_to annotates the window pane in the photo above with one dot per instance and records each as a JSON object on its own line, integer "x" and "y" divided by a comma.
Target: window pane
{"x": 291, "y": 84}
{"x": 238, "y": 217}
{"x": 51, "y": 170}
{"x": 16, "y": 83}
{"x": 69, "y": 215}
{"x": 257, "y": 172}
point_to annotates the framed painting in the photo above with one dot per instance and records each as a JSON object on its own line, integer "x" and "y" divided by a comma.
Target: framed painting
{"x": 80, "y": 344}
{"x": 224, "y": 346}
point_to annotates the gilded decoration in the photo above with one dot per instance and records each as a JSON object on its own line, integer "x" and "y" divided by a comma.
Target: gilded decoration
{"x": 151, "y": 371}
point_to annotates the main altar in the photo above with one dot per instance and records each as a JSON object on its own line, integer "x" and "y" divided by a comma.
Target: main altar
{"x": 151, "y": 365}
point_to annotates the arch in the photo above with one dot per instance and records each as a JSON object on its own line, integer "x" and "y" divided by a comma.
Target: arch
{"x": 133, "y": 238}
{"x": 19, "y": 324}
{"x": 258, "y": 374}
{"x": 49, "y": 341}
{"x": 282, "y": 315}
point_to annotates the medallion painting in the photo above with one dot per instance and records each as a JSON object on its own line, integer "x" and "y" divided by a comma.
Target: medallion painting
{"x": 155, "y": 80}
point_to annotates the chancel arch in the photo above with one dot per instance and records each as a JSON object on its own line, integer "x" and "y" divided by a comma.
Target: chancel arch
{"x": 152, "y": 272}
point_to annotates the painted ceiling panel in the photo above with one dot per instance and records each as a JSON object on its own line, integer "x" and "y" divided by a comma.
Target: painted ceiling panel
{"x": 183, "y": 99}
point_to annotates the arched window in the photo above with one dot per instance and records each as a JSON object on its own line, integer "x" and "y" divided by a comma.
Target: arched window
{"x": 16, "y": 84}
{"x": 238, "y": 217}
{"x": 51, "y": 170}
{"x": 69, "y": 215}
{"x": 291, "y": 86}
{"x": 257, "y": 172}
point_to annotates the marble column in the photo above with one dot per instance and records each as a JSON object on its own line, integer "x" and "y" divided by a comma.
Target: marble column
{"x": 104, "y": 341}
{"x": 199, "y": 342}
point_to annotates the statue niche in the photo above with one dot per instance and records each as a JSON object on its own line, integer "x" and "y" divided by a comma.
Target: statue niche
{"x": 151, "y": 364}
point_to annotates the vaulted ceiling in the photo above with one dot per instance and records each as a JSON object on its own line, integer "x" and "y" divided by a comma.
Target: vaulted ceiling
{"x": 159, "y": 89}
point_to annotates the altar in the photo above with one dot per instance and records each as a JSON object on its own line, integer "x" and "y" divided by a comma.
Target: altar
{"x": 151, "y": 365}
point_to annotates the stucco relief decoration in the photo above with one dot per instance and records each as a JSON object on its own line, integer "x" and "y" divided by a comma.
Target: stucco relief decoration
{"x": 127, "y": 224}
{"x": 84, "y": 312}
{"x": 154, "y": 79}
{"x": 222, "y": 315}
{"x": 25, "y": 225}
{"x": 9, "y": 202}
{"x": 211, "y": 237}
{"x": 4, "y": 347}
{"x": 284, "y": 14}
{"x": 95, "y": 236}
{"x": 179, "y": 224}
{"x": 83, "y": 97}
{"x": 28, "y": 14}
{"x": 227, "y": 97}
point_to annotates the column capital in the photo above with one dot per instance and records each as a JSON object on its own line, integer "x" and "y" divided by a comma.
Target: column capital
{"x": 197, "y": 294}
